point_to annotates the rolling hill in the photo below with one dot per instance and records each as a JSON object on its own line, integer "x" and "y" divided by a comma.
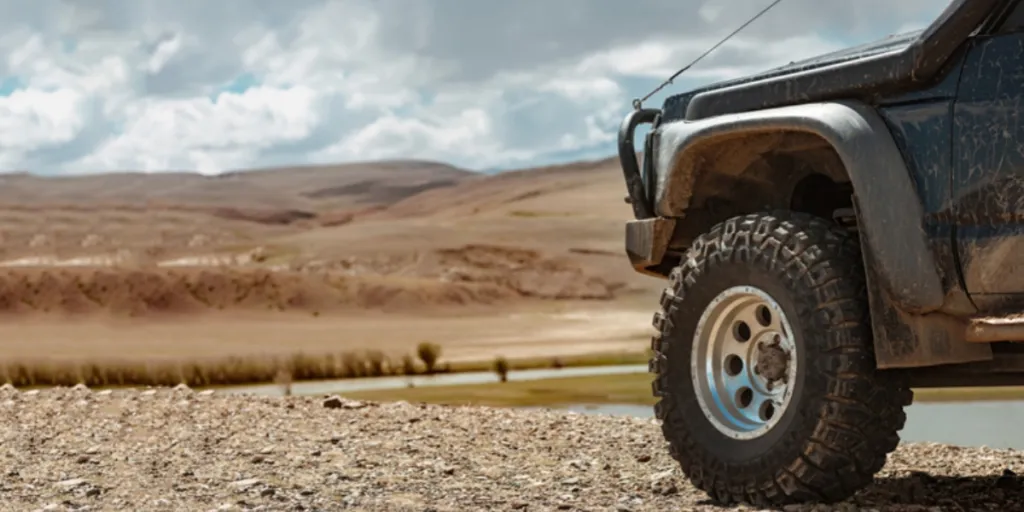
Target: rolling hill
{"x": 403, "y": 232}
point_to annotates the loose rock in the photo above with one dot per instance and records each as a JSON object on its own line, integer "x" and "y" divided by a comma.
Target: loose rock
{"x": 337, "y": 402}
{"x": 245, "y": 484}
{"x": 126, "y": 453}
{"x": 72, "y": 483}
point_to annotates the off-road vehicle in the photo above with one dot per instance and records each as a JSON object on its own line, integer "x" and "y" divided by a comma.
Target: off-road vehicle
{"x": 833, "y": 233}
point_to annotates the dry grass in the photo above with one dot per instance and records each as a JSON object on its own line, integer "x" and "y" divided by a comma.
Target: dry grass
{"x": 211, "y": 372}
{"x": 242, "y": 370}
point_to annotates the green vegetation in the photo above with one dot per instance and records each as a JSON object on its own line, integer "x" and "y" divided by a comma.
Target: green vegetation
{"x": 533, "y": 214}
{"x": 533, "y": 363}
{"x": 968, "y": 394}
{"x": 598, "y": 389}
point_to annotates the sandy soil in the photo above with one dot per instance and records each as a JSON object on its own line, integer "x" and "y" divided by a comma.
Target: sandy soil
{"x": 521, "y": 332}
{"x": 178, "y": 450}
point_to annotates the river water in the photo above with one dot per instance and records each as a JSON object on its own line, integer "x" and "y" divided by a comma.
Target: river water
{"x": 993, "y": 424}
{"x": 325, "y": 387}
{"x": 983, "y": 423}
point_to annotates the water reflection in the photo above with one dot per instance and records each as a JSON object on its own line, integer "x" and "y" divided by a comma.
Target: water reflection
{"x": 326, "y": 387}
{"x": 993, "y": 424}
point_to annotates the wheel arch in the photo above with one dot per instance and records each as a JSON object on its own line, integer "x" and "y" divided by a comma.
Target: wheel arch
{"x": 741, "y": 163}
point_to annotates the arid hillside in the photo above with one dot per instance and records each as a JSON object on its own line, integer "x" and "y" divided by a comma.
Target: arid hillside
{"x": 382, "y": 235}
{"x": 315, "y": 188}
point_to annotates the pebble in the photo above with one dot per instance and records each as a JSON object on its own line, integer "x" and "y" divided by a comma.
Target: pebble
{"x": 245, "y": 484}
{"x": 124, "y": 453}
{"x": 71, "y": 483}
{"x": 337, "y": 402}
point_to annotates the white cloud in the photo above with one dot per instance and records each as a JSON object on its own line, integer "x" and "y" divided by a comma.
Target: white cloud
{"x": 148, "y": 85}
{"x": 34, "y": 119}
{"x": 216, "y": 134}
{"x": 165, "y": 51}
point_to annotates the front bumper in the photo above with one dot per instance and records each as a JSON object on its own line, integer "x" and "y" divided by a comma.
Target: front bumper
{"x": 647, "y": 241}
{"x": 648, "y": 236}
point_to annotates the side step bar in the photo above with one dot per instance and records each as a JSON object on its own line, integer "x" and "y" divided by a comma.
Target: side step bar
{"x": 995, "y": 329}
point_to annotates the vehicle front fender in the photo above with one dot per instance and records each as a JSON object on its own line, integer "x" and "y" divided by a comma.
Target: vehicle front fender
{"x": 890, "y": 212}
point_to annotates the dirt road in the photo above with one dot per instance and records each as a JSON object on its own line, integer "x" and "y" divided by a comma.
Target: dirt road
{"x": 179, "y": 450}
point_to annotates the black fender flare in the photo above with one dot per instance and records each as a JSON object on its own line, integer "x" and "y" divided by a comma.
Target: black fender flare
{"x": 890, "y": 212}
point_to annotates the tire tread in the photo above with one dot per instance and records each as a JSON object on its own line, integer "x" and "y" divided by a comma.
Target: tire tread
{"x": 862, "y": 411}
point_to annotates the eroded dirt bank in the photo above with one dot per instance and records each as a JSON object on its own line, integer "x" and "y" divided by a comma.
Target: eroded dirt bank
{"x": 179, "y": 450}
{"x": 469, "y": 276}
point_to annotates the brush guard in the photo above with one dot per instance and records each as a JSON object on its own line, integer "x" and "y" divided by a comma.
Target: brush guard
{"x": 638, "y": 198}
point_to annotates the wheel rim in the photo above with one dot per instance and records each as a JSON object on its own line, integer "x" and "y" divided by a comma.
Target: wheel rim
{"x": 743, "y": 362}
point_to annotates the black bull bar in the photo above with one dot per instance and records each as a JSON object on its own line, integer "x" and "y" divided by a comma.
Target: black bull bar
{"x": 638, "y": 197}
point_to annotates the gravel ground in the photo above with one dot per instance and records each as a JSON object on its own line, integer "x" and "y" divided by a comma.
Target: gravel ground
{"x": 73, "y": 449}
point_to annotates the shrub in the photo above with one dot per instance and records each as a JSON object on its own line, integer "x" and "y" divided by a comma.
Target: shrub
{"x": 501, "y": 368}
{"x": 408, "y": 365}
{"x": 429, "y": 353}
{"x": 352, "y": 365}
{"x": 376, "y": 360}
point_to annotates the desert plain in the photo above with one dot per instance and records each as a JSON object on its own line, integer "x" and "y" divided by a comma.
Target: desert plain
{"x": 172, "y": 271}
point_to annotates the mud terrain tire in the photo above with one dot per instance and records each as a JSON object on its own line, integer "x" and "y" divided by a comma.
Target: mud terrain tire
{"x": 842, "y": 418}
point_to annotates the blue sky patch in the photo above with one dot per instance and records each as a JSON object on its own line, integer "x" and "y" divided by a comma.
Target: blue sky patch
{"x": 240, "y": 84}
{"x": 9, "y": 84}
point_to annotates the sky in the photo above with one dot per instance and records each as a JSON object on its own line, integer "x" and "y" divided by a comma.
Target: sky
{"x": 211, "y": 86}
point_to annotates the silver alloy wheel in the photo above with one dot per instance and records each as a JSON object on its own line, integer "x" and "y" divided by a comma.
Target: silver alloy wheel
{"x": 743, "y": 362}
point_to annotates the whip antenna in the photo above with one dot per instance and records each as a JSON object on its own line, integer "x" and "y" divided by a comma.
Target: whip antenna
{"x": 639, "y": 102}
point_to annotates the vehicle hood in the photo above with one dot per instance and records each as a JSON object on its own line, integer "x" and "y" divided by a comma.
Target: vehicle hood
{"x": 675, "y": 106}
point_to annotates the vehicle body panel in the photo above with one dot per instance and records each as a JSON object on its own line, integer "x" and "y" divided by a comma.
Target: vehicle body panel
{"x": 921, "y": 124}
{"x": 988, "y": 170}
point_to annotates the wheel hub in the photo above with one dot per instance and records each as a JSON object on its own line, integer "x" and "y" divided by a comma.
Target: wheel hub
{"x": 743, "y": 361}
{"x": 772, "y": 361}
